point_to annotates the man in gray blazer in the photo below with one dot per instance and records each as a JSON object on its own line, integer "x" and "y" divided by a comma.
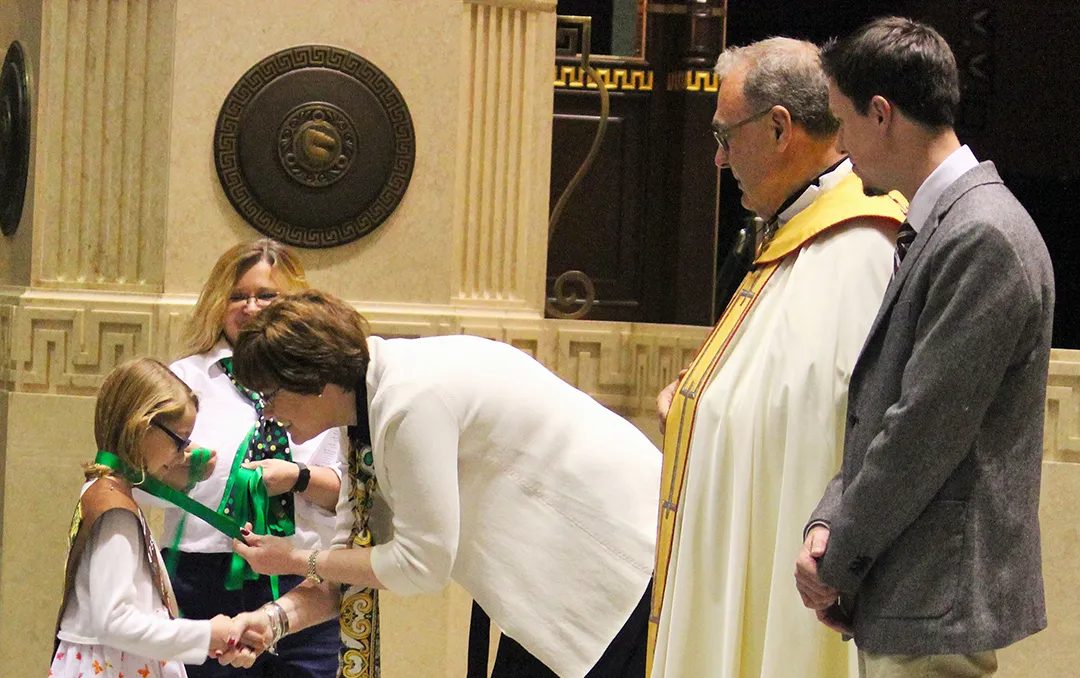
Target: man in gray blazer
{"x": 925, "y": 547}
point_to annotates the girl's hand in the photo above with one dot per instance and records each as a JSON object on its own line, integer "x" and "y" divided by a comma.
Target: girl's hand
{"x": 208, "y": 468}
{"x": 221, "y": 638}
{"x": 247, "y": 635}
{"x": 178, "y": 476}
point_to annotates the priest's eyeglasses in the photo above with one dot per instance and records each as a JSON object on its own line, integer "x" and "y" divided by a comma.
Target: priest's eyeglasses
{"x": 181, "y": 443}
{"x": 722, "y": 135}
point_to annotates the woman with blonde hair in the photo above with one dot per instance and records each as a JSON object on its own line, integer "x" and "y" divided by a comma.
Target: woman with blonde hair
{"x": 118, "y": 613}
{"x": 285, "y": 489}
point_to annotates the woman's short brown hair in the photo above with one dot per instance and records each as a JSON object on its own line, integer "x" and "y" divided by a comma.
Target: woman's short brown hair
{"x": 207, "y": 318}
{"x": 301, "y": 343}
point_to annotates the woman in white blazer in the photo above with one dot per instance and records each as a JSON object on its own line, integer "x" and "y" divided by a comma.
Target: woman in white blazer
{"x": 527, "y": 492}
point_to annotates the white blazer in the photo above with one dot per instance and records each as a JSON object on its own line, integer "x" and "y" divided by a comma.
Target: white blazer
{"x": 535, "y": 498}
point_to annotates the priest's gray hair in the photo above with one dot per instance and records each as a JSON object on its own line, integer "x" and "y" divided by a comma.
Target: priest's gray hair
{"x": 784, "y": 72}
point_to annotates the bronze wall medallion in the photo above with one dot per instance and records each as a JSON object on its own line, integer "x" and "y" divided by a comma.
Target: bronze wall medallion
{"x": 314, "y": 146}
{"x": 14, "y": 137}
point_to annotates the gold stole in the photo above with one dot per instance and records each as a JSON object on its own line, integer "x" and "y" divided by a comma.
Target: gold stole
{"x": 842, "y": 203}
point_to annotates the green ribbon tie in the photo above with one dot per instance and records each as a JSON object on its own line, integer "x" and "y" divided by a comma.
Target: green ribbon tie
{"x": 155, "y": 487}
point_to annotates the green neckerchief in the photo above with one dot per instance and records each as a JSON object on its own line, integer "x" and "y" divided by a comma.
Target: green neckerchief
{"x": 245, "y": 498}
{"x": 155, "y": 487}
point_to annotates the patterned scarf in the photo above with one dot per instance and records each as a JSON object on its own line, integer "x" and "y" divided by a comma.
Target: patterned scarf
{"x": 360, "y": 605}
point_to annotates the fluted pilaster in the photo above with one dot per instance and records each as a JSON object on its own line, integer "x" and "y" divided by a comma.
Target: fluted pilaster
{"x": 102, "y": 155}
{"x": 504, "y": 132}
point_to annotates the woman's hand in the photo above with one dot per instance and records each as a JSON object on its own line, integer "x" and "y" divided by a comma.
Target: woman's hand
{"x": 249, "y": 635}
{"x": 270, "y": 555}
{"x": 253, "y": 630}
{"x": 279, "y": 475}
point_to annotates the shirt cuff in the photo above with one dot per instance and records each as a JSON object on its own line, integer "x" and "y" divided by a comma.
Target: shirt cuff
{"x": 812, "y": 524}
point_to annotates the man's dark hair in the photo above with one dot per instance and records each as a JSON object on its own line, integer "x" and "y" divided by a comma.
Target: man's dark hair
{"x": 906, "y": 62}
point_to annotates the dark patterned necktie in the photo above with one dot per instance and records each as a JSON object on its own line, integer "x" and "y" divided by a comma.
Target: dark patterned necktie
{"x": 904, "y": 237}
{"x": 266, "y": 440}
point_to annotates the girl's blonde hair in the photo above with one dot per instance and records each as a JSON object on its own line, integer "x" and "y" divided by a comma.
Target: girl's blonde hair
{"x": 205, "y": 326}
{"x": 132, "y": 395}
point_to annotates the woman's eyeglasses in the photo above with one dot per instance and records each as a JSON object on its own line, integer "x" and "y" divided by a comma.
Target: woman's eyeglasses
{"x": 261, "y": 299}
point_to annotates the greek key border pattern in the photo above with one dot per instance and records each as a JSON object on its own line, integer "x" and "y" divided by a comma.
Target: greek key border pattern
{"x": 616, "y": 79}
{"x": 1061, "y": 435}
{"x": 693, "y": 81}
{"x": 66, "y": 345}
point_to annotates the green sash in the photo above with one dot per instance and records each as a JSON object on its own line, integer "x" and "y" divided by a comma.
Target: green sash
{"x": 155, "y": 487}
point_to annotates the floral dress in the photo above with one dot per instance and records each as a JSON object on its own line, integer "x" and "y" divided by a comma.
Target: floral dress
{"x": 73, "y": 660}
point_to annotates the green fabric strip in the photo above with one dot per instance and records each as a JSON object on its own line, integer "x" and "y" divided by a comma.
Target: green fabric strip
{"x": 253, "y": 507}
{"x": 155, "y": 487}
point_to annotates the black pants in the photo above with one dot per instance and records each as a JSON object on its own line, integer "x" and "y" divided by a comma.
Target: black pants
{"x": 199, "y": 584}
{"x": 623, "y": 658}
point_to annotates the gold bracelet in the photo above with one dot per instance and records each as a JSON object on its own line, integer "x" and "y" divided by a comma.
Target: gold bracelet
{"x": 313, "y": 575}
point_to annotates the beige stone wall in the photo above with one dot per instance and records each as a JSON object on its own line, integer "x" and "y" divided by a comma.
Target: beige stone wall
{"x": 125, "y": 215}
{"x": 1056, "y": 651}
{"x": 471, "y": 228}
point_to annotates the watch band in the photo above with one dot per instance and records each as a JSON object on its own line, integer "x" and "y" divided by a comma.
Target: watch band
{"x": 302, "y": 478}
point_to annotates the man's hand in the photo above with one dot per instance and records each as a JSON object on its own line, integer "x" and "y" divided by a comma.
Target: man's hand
{"x": 816, "y": 594}
{"x": 270, "y": 555}
{"x": 835, "y": 618}
{"x": 279, "y": 475}
{"x": 663, "y": 403}
{"x": 663, "y": 400}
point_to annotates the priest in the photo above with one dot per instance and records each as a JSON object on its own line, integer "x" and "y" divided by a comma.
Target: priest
{"x": 754, "y": 426}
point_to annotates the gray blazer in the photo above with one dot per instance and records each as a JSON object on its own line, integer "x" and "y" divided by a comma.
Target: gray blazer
{"x": 934, "y": 528}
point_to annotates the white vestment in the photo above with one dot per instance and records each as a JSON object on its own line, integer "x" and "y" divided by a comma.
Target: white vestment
{"x": 767, "y": 438}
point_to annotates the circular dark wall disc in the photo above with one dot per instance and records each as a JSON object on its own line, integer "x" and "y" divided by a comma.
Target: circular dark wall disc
{"x": 14, "y": 137}
{"x": 314, "y": 146}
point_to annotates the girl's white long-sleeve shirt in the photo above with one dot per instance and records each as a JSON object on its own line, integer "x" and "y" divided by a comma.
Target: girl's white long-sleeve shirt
{"x": 116, "y": 603}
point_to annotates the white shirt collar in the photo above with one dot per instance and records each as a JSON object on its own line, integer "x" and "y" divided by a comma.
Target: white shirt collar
{"x": 221, "y": 349}
{"x": 823, "y": 183}
{"x": 959, "y": 161}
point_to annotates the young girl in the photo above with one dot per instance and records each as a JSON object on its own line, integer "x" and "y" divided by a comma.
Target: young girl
{"x": 118, "y": 613}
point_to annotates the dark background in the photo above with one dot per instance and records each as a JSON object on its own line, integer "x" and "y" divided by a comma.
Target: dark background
{"x": 1019, "y": 78}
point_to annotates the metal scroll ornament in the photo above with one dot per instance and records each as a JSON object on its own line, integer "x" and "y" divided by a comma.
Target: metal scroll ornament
{"x": 14, "y": 137}
{"x": 573, "y": 293}
{"x": 315, "y": 146}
